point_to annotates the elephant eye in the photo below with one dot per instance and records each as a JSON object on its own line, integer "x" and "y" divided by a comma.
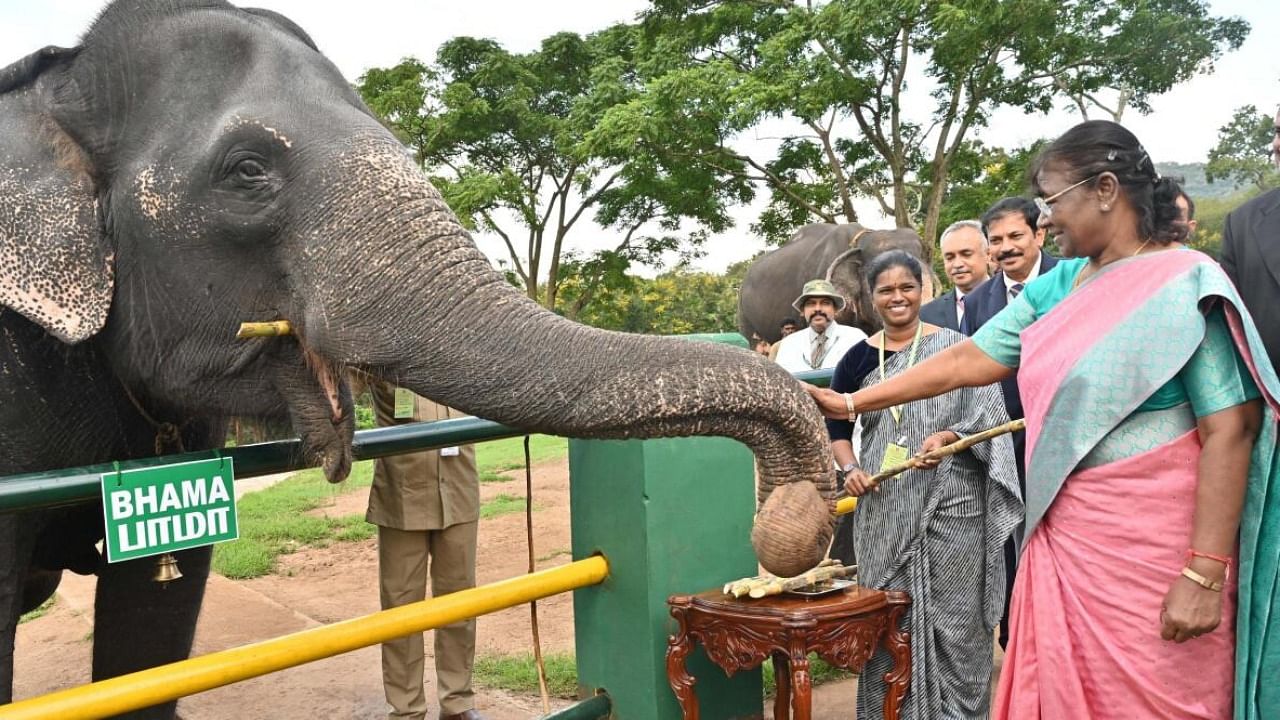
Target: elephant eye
{"x": 250, "y": 169}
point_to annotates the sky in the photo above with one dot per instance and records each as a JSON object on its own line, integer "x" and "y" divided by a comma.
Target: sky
{"x": 379, "y": 33}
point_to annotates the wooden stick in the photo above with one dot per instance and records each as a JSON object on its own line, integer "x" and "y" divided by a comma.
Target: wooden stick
{"x": 958, "y": 446}
{"x": 275, "y": 328}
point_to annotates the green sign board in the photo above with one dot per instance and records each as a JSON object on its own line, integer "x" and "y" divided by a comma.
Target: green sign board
{"x": 162, "y": 509}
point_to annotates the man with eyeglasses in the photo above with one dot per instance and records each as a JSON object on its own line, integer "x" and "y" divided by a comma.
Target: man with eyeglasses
{"x": 1015, "y": 242}
{"x": 1251, "y": 256}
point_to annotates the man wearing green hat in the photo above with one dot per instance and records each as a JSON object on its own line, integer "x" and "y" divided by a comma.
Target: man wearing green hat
{"x": 824, "y": 341}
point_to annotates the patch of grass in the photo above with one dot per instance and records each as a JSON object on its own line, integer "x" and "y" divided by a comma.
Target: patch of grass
{"x": 40, "y": 611}
{"x": 518, "y": 673}
{"x": 500, "y": 456}
{"x": 555, "y": 554}
{"x": 503, "y": 504}
{"x": 819, "y": 670}
{"x": 273, "y": 521}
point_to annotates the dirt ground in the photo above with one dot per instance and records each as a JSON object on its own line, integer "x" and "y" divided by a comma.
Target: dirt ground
{"x": 323, "y": 585}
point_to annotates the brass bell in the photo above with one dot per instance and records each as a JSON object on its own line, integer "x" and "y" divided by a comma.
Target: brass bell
{"x": 167, "y": 569}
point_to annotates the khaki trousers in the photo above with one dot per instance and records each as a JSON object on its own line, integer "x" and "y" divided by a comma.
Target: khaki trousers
{"x": 403, "y": 557}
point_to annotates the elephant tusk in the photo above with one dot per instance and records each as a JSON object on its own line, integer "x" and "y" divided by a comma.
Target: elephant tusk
{"x": 275, "y": 328}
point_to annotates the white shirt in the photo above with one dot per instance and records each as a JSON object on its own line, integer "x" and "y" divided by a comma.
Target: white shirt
{"x": 1010, "y": 282}
{"x": 794, "y": 349}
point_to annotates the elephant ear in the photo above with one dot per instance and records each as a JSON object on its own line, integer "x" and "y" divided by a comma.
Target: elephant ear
{"x": 845, "y": 272}
{"x": 55, "y": 268}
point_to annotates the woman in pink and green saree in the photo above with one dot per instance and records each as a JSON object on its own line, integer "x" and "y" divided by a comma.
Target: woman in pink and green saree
{"x": 1147, "y": 582}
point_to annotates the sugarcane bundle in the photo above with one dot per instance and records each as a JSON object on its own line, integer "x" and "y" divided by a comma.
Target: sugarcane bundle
{"x": 765, "y": 585}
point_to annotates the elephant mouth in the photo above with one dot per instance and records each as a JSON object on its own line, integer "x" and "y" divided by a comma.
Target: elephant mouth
{"x": 330, "y": 379}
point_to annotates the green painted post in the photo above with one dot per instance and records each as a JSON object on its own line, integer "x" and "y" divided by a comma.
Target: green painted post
{"x": 672, "y": 516}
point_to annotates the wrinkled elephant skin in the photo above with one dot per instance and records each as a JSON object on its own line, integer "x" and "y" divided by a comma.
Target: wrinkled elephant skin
{"x": 189, "y": 168}
{"x": 839, "y": 253}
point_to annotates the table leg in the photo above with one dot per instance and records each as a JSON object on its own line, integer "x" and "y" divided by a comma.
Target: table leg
{"x": 678, "y": 648}
{"x": 898, "y": 643}
{"x": 782, "y": 679}
{"x": 801, "y": 683}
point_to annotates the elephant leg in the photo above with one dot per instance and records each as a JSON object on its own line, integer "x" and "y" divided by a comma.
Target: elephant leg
{"x": 16, "y": 544}
{"x": 140, "y": 623}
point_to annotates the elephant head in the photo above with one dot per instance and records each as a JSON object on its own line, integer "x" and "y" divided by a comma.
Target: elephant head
{"x": 838, "y": 253}
{"x": 847, "y": 271}
{"x": 192, "y": 165}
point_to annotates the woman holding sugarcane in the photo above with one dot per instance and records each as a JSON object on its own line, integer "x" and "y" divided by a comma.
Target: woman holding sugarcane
{"x": 936, "y": 531}
{"x": 1151, "y": 424}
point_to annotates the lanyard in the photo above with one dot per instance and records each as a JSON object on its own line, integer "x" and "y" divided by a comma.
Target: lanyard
{"x": 911, "y": 360}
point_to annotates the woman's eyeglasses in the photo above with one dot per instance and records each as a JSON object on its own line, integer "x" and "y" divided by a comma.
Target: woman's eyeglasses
{"x": 1045, "y": 204}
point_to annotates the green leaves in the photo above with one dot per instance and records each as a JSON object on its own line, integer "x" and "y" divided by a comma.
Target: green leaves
{"x": 1243, "y": 152}
{"x": 527, "y": 145}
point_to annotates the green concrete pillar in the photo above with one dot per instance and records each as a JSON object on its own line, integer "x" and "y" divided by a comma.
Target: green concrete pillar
{"x": 673, "y": 516}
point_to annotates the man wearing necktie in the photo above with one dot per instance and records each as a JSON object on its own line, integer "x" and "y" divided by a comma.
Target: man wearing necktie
{"x": 824, "y": 341}
{"x": 964, "y": 257}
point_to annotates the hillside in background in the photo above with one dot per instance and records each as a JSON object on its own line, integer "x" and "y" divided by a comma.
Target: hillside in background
{"x": 1194, "y": 181}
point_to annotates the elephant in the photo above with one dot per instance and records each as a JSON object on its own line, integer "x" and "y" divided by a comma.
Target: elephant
{"x": 191, "y": 165}
{"x": 838, "y": 253}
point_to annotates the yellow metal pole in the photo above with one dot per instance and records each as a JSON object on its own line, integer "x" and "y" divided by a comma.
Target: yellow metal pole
{"x": 169, "y": 682}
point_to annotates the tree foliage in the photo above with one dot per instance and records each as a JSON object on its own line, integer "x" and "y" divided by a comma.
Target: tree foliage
{"x": 839, "y": 72}
{"x": 673, "y": 303}
{"x": 1243, "y": 152}
{"x": 512, "y": 142}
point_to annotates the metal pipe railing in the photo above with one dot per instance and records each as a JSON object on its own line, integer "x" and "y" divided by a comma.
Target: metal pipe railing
{"x": 170, "y": 682}
{"x": 593, "y": 708}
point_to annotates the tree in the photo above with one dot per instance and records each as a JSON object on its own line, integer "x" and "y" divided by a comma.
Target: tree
{"x": 673, "y": 303}
{"x": 1243, "y": 152}
{"x": 840, "y": 71}
{"x": 508, "y": 140}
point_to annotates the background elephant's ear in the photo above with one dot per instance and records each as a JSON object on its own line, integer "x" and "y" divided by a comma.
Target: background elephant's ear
{"x": 55, "y": 267}
{"x": 845, "y": 272}
{"x": 930, "y": 282}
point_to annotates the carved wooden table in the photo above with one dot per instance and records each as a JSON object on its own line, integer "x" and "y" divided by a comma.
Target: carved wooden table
{"x": 739, "y": 634}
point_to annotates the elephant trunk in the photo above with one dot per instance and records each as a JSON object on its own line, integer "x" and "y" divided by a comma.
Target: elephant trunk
{"x": 425, "y": 309}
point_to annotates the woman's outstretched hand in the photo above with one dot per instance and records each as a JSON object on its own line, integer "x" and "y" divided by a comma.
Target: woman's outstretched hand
{"x": 830, "y": 402}
{"x": 857, "y": 482}
{"x": 931, "y": 443}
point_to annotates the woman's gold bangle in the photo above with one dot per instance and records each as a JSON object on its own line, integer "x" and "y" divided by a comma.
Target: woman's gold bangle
{"x": 848, "y": 405}
{"x": 1201, "y": 580}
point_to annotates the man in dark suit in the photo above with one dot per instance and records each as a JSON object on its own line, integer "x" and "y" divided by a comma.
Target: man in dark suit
{"x": 1015, "y": 243}
{"x": 1251, "y": 257}
{"x": 964, "y": 257}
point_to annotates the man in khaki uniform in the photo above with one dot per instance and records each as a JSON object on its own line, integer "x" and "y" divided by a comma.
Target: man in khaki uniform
{"x": 427, "y": 508}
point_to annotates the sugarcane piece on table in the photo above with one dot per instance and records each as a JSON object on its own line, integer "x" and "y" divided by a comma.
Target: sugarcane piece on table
{"x": 813, "y": 577}
{"x": 743, "y": 586}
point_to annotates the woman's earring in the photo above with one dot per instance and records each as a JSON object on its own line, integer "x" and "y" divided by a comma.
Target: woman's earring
{"x": 1106, "y": 208}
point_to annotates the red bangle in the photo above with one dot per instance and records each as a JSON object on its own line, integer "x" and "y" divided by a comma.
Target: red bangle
{"x": 1193, "y": 553}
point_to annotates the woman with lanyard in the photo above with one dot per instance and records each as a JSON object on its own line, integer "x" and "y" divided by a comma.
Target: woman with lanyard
{"x": 936, "y": 532}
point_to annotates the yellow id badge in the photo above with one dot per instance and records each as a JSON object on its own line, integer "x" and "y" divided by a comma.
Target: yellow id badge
{"x": 894, "y": 455}
{"x": 404, "y": 404}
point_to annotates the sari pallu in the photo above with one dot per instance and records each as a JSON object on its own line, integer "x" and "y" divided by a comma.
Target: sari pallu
{"x": 1110, "y": 498}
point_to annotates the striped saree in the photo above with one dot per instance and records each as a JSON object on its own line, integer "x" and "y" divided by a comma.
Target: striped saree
{"x": 1111, "y": 484}
{"x": 938, "y": 534}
